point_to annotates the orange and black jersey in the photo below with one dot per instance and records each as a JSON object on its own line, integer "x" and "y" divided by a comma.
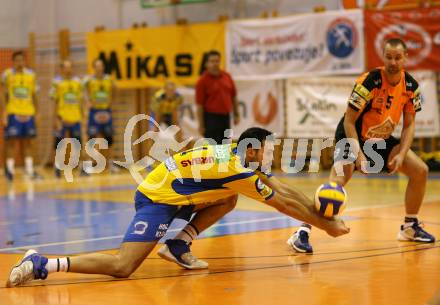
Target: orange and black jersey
{"x": 381, "y": 105}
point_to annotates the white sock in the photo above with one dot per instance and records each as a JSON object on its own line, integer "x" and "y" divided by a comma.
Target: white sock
{"x": 305, "y": 229}
{"x": 188, "y": 233}
{"x": 58, "y": 264}
{"x": 29, "y": 165}
{"x": 10, "y": 165}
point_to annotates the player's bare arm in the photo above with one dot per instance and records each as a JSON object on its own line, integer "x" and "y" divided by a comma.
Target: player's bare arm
{"x": 351, "y": 116}
{"x": 406, "y": 140}
{"x": 301, "y": 208}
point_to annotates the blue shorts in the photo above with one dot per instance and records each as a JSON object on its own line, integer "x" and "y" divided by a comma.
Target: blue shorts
{"x": 100, "y": 122}
{"x": 151, "y": 221}
{"x": 73, "y": 130}
{"x": 18, "y": 128}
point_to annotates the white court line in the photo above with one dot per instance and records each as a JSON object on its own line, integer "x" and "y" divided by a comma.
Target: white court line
{"x": 78, "y": 241}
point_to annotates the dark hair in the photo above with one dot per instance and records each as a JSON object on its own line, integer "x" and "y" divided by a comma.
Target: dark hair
{"x": 257, "y": 133}
{"x": 394, "y": 42}
{"x": 213, "y": 53}
{"x": 17, "y": 53}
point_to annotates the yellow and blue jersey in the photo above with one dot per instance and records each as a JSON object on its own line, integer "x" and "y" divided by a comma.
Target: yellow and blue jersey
{"x": 202, "y": 175}
{"x": 99, "y": 91}
{"x": 21, "y": 87}
{"x": 164, "y": 106}
{"x": 68, "y": 95}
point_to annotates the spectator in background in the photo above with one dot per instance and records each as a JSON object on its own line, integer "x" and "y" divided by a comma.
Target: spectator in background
{"x": 165, "y": 106}
{"x": 99, "y": 93}
{"x": 216, "y": 98}
{"x": 20, "y": 88}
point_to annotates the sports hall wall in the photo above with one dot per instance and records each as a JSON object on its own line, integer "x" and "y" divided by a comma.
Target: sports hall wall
{"x": 299, "y": 101}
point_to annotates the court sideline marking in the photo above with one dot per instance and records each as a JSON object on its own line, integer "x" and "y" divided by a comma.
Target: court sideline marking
{"x": 228, "y": 271}
{"x": 175, "y": 230}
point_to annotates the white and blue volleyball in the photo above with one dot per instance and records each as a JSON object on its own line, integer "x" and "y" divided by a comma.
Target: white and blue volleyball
{"x": 330, "y": 199}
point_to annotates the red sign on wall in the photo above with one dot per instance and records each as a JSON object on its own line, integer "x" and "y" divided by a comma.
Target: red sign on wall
{"x": 419, "y": 28}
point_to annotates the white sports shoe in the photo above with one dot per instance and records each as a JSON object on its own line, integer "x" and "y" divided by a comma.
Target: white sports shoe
{"x": 25, "y": 270}
{"x": 182, "y": 255}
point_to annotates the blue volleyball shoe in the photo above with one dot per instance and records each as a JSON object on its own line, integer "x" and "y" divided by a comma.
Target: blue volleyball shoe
{"x": 414, "y": 232}
{"x": 31, "y": 267}
{"x": 299, "y": 241}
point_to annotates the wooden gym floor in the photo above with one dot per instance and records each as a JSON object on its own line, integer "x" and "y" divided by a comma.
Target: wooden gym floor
{"x": 250, "y": 262}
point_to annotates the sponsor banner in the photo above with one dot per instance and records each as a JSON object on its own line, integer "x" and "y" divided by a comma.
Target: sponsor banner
{"x": 318, "y": 43}
{"x": 137, "y": 58}
{"x": 384, "y": 4}
{"x": 260, "y": 105}
{"x": 427, "y": 120}
{"x": 419, "y": 28}
{"x": 315, "y": 106}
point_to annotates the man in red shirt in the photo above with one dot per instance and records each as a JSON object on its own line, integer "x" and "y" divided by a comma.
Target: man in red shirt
{"x": 216, "y": 98}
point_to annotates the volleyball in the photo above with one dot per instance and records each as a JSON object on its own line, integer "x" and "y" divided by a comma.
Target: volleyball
{"x": 330, "y": 199}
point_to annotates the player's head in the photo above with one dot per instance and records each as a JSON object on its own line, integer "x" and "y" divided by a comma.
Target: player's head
{"x": 98, "y": 66}
{"x": 66, "y": 68}
{"x": 395, "y": 54}
{"x": 213, "y": 62}
{"x": 18, "y": 60}
{"x": 170, "y": 89}
{"x": 257, "y": 145}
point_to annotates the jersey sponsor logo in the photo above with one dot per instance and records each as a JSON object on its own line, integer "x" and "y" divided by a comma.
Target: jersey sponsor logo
{"x": 362, "y": 91}
{"x": 21, "y": 92}
{"x": 101, "y": 96}
{"x": 70, "y": 98}
{"x": 170, "y": 164}
{"x": 262, "y": 188}
{"x": 161, "y": 230}
{"x": 356, "y": 100}
{"x": 198, "y": 160}
{"x": 417, "y": 102}
{"x": 222, "y": 153}
{"x": 382, "y": 131}
{"x": 140, "y": 227}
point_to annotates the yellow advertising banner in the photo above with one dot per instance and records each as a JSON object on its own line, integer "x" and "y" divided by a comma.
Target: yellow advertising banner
{"x": 138, "y": 58}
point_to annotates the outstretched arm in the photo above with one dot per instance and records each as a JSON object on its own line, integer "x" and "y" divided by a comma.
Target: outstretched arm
{"x": 301, "y": 208}
{"x": 282, "y": 188}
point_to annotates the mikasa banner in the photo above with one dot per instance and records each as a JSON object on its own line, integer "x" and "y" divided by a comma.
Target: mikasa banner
{"x": 315, "y": 106}
{"x": 317, "y": 43}
{"x": 138, "y": 58}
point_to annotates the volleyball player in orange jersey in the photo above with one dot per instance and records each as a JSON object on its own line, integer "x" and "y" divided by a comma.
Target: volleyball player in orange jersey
{"x": 378, "y": 100}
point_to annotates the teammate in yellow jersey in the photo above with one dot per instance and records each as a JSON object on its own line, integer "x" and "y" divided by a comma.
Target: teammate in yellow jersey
{"x": 210, "y": 177}
{"x": 166, "y": 103}
{"x": 67, "y": 92}
{"x": 165, "y": 107}
{"x": 99, "y": 94}
{"x": 378, "y": 101}
{"x": 20, "y": 88}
